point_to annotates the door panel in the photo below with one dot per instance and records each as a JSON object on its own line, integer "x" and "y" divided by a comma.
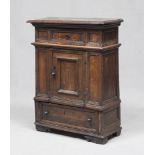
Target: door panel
{"x": 68, "y": 75}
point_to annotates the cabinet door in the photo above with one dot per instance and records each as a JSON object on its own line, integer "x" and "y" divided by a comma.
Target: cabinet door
{"x": 68, "y": 76}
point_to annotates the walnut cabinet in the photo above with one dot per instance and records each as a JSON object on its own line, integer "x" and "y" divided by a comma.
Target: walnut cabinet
{"x": 77, "y": 77}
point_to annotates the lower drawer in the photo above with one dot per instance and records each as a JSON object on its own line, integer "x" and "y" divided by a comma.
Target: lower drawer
{"x": 71, "y": 116}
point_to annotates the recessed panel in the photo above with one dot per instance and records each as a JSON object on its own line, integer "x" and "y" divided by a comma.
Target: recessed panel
{"x": 94, "y": 38}
{"x": 110, "y": 37}
{"x": 68, "y": 74}
{"x": 41, "y": 69}
{"x": 110, "y": 75}
{"x": 111, "y": 117}
{"x": 94, "y": 78}
{"x": 68, "y": 82}
{"x": 67, "y": 37}
{"x": 41, "y": 35}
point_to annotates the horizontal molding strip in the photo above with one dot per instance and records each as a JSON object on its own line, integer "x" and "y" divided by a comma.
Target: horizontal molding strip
{"x": 106, "y": 105}
{"x": 85, "y": 48}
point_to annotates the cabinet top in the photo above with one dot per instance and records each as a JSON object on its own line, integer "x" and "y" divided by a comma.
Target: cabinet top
{"x": 76, "y": 21}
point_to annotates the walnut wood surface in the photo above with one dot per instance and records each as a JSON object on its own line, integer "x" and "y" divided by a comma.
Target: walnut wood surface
{"x": 77, "y": 78}
{"x": 58, "y": 20}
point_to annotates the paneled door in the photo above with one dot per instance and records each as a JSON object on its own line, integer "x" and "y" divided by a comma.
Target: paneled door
{"x": 68, "y": 75}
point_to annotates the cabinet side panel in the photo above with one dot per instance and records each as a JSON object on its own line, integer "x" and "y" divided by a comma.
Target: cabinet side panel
{"x": 38, "y": 111}
{"x": 94, "y": 78}
{"x": 41, "y": 34}
{"x": 41, "y": 72}
{"x": 110, "y": 76}
{"x": 110, "y": 36}
{"x": 110, "y": 121}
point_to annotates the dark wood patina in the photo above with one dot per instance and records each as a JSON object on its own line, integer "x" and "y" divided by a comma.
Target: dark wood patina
{"x": 77, "y": 77}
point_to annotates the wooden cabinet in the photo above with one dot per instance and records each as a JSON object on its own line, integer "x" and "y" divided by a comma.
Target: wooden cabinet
{"x": 77, "y": 78}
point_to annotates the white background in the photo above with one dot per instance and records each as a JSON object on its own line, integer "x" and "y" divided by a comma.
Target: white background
{"x": 24, "y": 139}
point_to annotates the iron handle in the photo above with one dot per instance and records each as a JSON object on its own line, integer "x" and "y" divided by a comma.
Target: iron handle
{"x": 89, "y": 121}
{"x": 45, "y": 112}
{"x": 53, "y": 73}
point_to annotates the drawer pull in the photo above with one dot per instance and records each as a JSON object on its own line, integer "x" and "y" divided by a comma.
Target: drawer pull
{"x": 90, "y": 121}
{"x": 53, "y": 73}
{"x": 45, "y": 112}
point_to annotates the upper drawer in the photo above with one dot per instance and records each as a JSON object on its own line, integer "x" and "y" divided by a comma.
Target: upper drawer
{"x": 88, "y": 38}
{"x": 67, "y": 37}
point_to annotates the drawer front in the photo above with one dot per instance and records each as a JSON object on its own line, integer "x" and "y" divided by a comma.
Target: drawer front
{"x": 92, "y": 38}
{"x": 69, "y": 115}
{"x": 67, "y": 37}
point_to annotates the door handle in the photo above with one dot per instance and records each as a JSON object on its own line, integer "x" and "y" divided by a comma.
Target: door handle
{"x": 90, "y": 121}
{"x": 45, "y": 112}
{"x": 53, "y": 72}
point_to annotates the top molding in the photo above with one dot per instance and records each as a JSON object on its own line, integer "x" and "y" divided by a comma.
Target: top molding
{"x": 82, "y": 22}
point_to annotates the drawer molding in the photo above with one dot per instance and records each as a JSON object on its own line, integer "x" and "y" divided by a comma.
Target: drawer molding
{"x": 76, "y": 47}
{"x": 66, "y": 37}
{"x": 68, "y": 126}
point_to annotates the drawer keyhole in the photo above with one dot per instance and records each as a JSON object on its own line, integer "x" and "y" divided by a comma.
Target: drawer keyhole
{"x": 67, "y": 37}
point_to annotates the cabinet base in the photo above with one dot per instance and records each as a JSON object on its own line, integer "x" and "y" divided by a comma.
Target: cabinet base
{"x": 102, "y": 140}
{"x": 42, "y": 128}
{"x": 97, "y": 140}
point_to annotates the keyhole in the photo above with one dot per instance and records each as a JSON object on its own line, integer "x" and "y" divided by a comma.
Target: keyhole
{"x": 67, "y": 37}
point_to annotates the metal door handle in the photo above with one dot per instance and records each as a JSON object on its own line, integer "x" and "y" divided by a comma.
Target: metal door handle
{"x": 45, "y": 112}
{"x": 89, "y": 121}
{"x": 53, "y": 73}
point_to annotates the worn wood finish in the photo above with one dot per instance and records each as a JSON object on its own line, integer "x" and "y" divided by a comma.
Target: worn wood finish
{"x": 73, "y": 116}
{"x": 86, "y": 38}
{"x": 76, "y": 21}
{"x": 77, "y": 79}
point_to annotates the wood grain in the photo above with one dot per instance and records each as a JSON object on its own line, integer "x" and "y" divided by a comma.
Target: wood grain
{"x": 77, "y": 77}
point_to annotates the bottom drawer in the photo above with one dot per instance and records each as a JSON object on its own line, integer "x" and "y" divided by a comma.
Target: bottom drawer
{"x": 77, "y": 117}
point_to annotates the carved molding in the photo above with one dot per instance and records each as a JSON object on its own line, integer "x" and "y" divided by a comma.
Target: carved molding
{"x": 76, "y": 47}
